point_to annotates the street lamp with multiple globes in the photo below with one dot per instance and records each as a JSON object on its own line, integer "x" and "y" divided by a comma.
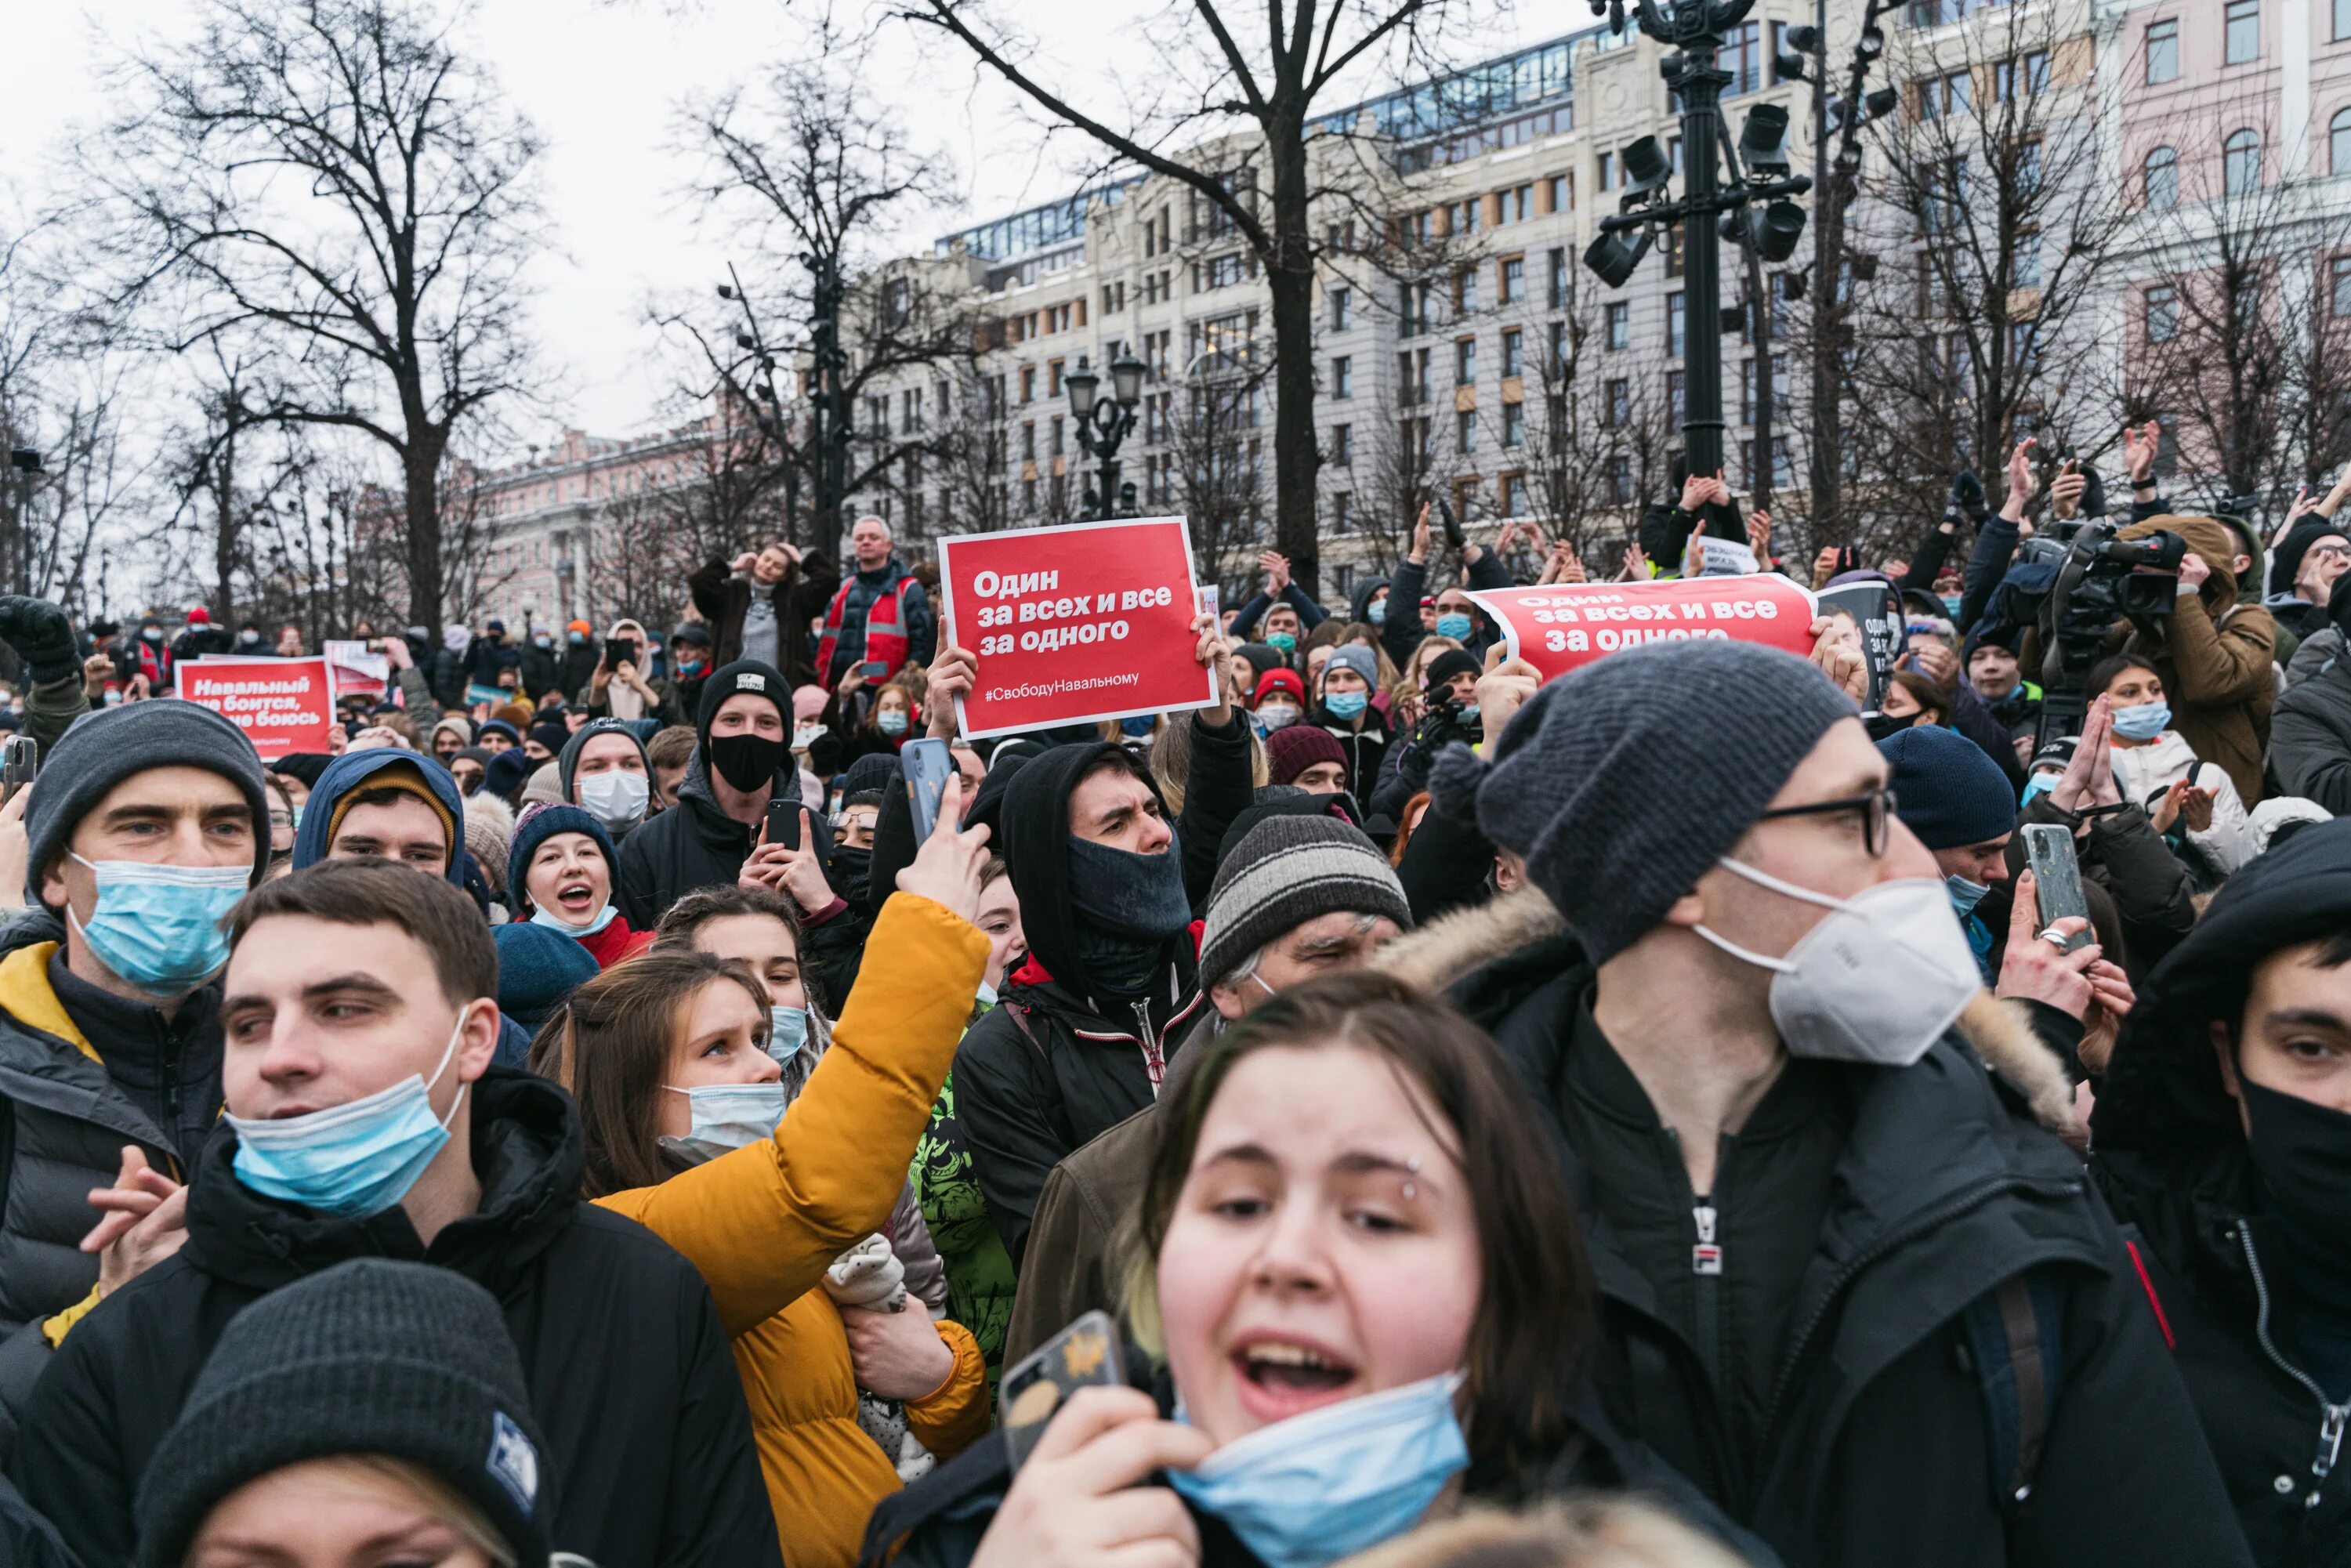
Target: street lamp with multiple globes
{"x": 1102, "y": 425}
{"x": 1759, "y": 172}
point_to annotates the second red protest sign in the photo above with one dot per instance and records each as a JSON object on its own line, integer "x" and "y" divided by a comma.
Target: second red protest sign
{"x": 1564, "y": 627}
{"x": 1075, "y": 624}
{"x": 284, "y": 706}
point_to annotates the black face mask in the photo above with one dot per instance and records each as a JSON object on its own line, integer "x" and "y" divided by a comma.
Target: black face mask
{"x": 747, "y": 761}
{"x": 2302, "y": 1153}
{"x": 851, "y": 872}
{"x": 1886, "y": 725}
{"x": 1129, "y": 907}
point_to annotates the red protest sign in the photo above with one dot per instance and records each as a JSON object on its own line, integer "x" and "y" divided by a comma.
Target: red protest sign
{"x": 1566, "y": 626}
{"x": 1071, "y": 624}
{"x": 284, "y": 706}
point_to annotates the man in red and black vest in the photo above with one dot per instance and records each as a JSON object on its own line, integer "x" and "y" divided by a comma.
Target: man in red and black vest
{"x": 880, "y": 613}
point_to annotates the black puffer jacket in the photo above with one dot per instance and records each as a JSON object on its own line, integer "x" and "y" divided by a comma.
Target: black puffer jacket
{"x": 1878, "y": 1446}
{"x": 2170, "y": 1150}
{"x": 65, "y": 1113}
{"x": 2310, "y": 738}
{"x": 628, "y": 1365}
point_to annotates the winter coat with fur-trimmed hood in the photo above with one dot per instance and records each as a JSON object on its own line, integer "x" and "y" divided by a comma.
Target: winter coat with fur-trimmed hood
{"x": 1879, "y": 1443}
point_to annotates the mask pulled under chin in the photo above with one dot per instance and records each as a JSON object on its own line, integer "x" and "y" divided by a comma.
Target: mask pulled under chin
{"x": 1876, "y": 981}
{"x": 1332, "y": 1483}
{"x": 746, "y": 762}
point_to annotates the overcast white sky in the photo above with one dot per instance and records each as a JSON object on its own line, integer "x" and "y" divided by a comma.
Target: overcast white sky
{"x": 601, "y": 82}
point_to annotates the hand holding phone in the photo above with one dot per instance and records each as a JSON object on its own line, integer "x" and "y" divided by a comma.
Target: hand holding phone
{"x": 1084, "y": 1355}
{"x": 875, "y": 670}
{"x": 20, "y": 764}
{"x": 927, "y": 765}
{"x": 2057, "y": 880}
{"x": 784, "y": 823}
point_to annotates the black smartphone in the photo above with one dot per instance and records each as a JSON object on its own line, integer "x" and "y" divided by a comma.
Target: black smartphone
{"x": 1453, "y": 534}
{"x": 875, "y": 670}
{"x": 1084, "y": 1355}
{"x": 784, "y": 823}
{"x": 619, "y": 651}
{"x": 20, "y": 764}
{"x": 2057, "y": 879}
{"x": 927, "y": 765}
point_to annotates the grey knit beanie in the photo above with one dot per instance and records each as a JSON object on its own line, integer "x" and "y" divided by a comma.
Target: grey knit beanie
{"x": 1286, "y": 871}
{"x": 1619, "y": 785}
{"x": 103, "y": 748}
{"x": 409, "y": 1360}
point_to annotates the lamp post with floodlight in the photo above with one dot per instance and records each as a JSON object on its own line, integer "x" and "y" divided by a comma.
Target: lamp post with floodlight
{"x": 1103, "y": 422}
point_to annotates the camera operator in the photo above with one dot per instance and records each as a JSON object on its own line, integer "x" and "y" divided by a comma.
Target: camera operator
{"x": 1450, "y": 700}
{"x": 2214, "y": 653}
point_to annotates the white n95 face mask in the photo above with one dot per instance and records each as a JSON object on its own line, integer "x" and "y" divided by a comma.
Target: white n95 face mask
{"x": 1878, "y": 981}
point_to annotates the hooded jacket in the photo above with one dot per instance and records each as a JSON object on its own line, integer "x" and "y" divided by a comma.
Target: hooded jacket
{"x": 1051, "y": 1067}
{"x": 695, "y": 844}
{"x": 352, "y": 771}
{"x": 68, "y": 1106}
{"x": 762, "y": 1223}
{"x": 566, "y": 761}
{"x": 2170, "y": 1150}
{"x": 622, "y": 1349}
{"x": 1359, "y": 602}
{"x": 2310, "y": 733}
{"x": 2216, "y": 655}
{"x": 1877, "y": 1445}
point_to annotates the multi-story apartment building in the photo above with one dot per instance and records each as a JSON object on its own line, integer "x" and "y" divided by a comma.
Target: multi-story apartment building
{"x": 1455, "y": 214}
{"x": 1453, "y": 312}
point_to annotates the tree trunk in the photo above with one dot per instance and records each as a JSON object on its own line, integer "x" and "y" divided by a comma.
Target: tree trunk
{"x": 1289, "y": 278}
{"x": 421, "y": 469}
{"x": 224, "y": 530}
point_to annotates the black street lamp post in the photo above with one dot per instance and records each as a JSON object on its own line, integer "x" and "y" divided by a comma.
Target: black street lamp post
{"x": 1103, "y": 422}
{"x": 825, "y": 452}
{"x": 1758, "y": 173}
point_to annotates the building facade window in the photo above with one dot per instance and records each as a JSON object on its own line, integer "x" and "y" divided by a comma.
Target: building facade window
{"x": 1342, "y": 444}
{"x": 2339, "y": 143}
{"x": 2339, "y": 277}
{"x": 1513, "y": 353}
{"x": 1342, "y": 305}
{"x": 1343, "y": 376}
{"x": 1510, "y": 281}
{"x": 2162, "y": 52}
{"x": 1620, "y": 325}
{"x": 1673, "y": 324}
{"x": 2244, "y": 30}
{"x": 1465, "y": 361}
{"x": 1558, "y": 262}
{"x": 2240, "y": 162}
{"x": 1514, "y": 423}
{"x": 2163, "y": 179}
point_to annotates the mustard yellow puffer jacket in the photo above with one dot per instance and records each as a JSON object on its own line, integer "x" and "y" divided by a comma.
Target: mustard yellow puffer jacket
{"x": 762, "y": 1223}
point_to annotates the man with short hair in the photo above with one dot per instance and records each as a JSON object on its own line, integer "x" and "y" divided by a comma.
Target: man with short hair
{"x": 365, "y": 1118}
{"x": 147, "y": 823}
{"x": 881, "y": 614}
{"x": 2223, "y": 1132}
{"x": 1846, "y": 1285}
{"x": 742, "y": 759}
{"x": 670, "y": 753}
{"x": 1998, "y": 677}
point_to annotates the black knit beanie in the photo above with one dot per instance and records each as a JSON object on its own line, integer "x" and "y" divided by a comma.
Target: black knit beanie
{"x": 407, "y": 1361}
{"x": 1621, "y": 783}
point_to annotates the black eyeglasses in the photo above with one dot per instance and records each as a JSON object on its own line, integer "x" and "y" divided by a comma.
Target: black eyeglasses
{"x": 1876, "y": 809}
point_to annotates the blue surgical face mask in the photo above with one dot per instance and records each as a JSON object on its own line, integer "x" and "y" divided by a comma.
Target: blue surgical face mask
{"x": 1136, "y": 726}
{"x": 354, "y": 1159}
{"x": 553, "y": 922}
{"x": 2039, "y": 784}
{"x": 1951, "y": 605}
{"x": 1328, "y": 1484}
{"x": 1345, "y": 705}
{"x": 2144, "y": 722}
{"x": 786, "y": 1032}
{"x": 730, "y": 1116}
{"x": 890, "y": 722}
{"x": 1453, "y": 625}
{"x": 1377, "y": 612}
{"x": 1965, "y": 895}
{"x": 1283, "y": 640}
{"x": 159, "y": 926}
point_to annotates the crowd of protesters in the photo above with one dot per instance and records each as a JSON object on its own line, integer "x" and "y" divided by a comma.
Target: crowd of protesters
{"x": 1643, "y": 1117}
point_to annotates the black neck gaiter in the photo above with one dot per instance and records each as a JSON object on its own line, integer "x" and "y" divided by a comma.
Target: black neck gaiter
{"x": 1129, "y": 907}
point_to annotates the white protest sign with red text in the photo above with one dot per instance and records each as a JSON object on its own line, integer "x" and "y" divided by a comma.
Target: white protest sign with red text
{"x": 284, "y": 706}
{"x": 1071, "y": 624}
{"x": 1566, "y": 626}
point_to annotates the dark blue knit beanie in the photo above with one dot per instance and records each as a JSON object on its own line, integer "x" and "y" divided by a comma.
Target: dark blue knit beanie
{"x": 542, "y": 822}
{"x": 1946, "y": 789}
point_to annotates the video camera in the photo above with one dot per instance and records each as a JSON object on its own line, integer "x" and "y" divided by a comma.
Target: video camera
{"x": 2097, "y": 579}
